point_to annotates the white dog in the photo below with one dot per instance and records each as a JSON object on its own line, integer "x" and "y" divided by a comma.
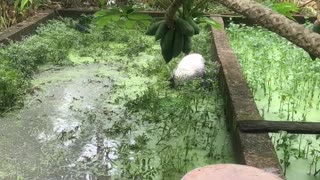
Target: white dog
{"x": 190, "y": 67}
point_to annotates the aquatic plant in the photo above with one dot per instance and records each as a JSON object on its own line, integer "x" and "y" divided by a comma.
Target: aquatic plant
{"x": 138, "y": 127}
{"x": 282, "y": 77}
{"x": 172, "y": 131}
{"x": 285, "y": 84}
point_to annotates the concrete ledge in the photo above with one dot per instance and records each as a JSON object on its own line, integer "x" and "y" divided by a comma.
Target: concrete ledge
{"x": 252, "y": 149}
{"x": 27, "y": 27}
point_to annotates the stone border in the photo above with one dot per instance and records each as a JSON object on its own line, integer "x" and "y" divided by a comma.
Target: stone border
{"x": 27, "y": 27}
{"x": 24, "y": 28}
{"x": 254, "y": 149}
{"x": 250, "y": 148}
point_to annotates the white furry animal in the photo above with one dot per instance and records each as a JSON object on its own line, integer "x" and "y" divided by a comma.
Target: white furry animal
{"x": 190, "y": 67}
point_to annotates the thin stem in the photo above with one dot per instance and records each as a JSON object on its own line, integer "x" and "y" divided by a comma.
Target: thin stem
{"x": 318, "y": 10}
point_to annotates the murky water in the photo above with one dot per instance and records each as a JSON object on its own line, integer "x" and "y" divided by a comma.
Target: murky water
{"x": 40, "y": 140}
{"x": 114, "y": 116}
{"x": 60, "y": 133}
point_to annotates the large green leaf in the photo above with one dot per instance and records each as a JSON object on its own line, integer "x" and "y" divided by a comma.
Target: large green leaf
{"x": 285, "y": 8}
{"x": 210, "y": 22}
{"x": 106, "y": 17}
{"x": 24, "y": 3}
{"x": 106, "y": 20}
{"x": 126, "y": 14}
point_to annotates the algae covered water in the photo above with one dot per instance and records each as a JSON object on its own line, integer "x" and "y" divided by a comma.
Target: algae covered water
{"x": 99, "y": 106}
{"x": 285, "y": 84}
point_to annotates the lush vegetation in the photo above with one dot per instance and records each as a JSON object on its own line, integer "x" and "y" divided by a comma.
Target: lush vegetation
{"x": 14, "y": 11}
{"x": 157, "y": 132}
{"x": 19, "y": 61}
{"x": 284, "y": 89}
{"x": 283, "y": 78}
{"x": 285, "y": 84}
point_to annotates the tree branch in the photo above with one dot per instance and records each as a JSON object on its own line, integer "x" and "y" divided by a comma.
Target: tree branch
{"x": 303, "y": 5}
{"x": 292, "y": 31}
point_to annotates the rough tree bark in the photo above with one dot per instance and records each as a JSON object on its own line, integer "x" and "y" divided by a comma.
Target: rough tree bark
{"x": 277, "y": 23}
{"x": 171, "y": 11}
{"x": 269, "y": 19}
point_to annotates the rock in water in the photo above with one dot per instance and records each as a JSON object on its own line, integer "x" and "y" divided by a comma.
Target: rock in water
{"x": 190, "y": 67}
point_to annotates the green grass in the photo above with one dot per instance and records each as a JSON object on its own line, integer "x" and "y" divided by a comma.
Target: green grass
{"x": 282, "y": 77}
{"x": 53, "y": 44}
{"x": 285, "y": 84}
{"x": 173, "y": 130}
{"x": 21, "y": 60}
{"x": 161, "y": 133}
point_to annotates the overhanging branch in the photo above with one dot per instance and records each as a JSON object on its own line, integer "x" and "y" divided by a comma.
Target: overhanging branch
{"x": 292, "y": 31}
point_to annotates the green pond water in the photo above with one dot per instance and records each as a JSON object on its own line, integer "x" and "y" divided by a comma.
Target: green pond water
{"x": 111, "y": 114}
{"x": 285, "y": 83}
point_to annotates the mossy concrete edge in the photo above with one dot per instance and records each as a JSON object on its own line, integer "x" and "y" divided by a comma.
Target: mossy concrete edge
{"x": 253, "y": 149}
{"x": 24, "y": 28}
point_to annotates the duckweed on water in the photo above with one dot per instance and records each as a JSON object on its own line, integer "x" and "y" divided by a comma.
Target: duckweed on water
{"x": 116, "y": 116}
{"x": 282, "y": 77}
{"x": 286, "y": 86}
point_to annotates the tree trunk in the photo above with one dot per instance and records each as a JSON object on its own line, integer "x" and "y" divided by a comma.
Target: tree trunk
{"x": 277, "y": 23}
{"x": 171, "y": 11}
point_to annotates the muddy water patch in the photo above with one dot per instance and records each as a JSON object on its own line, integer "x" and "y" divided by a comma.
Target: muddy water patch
{"x": 50, "y": 123}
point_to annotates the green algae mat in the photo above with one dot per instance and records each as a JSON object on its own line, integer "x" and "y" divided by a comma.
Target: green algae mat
{"x": 285, "y": 83}
{"x": 98, "y": 105}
